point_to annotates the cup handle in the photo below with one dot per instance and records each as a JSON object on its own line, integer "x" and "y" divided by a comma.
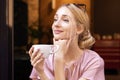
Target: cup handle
{"x": 54, "y": 48}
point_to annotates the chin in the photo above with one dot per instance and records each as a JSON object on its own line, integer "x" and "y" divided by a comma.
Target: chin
{"x": 57, "y": 37}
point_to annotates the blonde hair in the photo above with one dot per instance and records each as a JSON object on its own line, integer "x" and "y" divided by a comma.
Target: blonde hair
{"x": 85, "y": 39}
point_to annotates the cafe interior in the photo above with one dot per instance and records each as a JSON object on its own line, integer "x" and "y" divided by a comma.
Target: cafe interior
{"x": 31, "y": 20}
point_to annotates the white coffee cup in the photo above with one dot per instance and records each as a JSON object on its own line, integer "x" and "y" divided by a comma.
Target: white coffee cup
{"x": 46, "y": 49}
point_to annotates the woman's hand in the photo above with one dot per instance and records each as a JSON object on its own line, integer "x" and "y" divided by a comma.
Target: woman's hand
{"x": 63, "y": 47}
{"x": 63, "y": 51}
{"x": 64, "y": 43}
{"x": 37, "y": 59}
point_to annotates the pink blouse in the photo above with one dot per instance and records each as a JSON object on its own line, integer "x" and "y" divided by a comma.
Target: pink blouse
{"x": 89, "y": 66}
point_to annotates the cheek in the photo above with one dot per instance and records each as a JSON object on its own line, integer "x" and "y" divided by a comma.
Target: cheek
{"x": 52, "y": 26}
{"x": 72, "y": 32}
{"x": 63, "y": 35}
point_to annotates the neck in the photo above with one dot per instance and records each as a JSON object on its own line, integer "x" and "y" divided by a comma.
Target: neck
{"x": 74, "y": 52}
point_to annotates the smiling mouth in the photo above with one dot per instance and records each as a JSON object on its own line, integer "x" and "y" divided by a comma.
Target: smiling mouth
{"x": 57, "y": 31}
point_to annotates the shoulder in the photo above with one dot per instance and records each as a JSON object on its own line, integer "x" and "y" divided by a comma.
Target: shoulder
{"x": 91, "y": 54}
{"x": 93, "y": 58}
{"x": 92, "y": 66}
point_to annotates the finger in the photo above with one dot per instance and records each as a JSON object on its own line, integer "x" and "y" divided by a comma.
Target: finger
{"x": 63, "y": 42}
{"x": 72, "y": 34}
{"x": 34, "y": 54}
{"x": 37, "y": 58}
{"x": 31, "y": 51}
{"x": 56, "y": 41}
{"x": 38, "y": 62}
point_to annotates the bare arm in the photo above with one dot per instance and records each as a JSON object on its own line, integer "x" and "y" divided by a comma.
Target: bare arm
{"x": 43, "y": 76}
{"x": 59, "y": 62}
{"x": 59, "y": 69}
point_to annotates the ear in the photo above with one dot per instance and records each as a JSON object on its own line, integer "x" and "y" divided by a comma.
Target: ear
{"x": 80, "y": 29}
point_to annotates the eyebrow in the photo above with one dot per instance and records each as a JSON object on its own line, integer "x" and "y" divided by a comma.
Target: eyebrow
{"x": 64, "y": 15}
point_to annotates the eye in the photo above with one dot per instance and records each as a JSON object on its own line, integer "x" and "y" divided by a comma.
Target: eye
{"x": 55, "y": 19}
{"x": 66, "y": 20}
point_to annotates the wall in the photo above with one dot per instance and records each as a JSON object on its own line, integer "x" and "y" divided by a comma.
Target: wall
{"x": 106, "y": 16}
{"x": 9, "y": 14}
{"x": 5, "y": 47}
{"x": 46, "y": 12}
{"x": 87, "y": 2}
{"x": 59, "y": 3}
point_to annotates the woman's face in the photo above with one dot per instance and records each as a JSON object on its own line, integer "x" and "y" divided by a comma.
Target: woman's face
{"x": 64, "y": 25}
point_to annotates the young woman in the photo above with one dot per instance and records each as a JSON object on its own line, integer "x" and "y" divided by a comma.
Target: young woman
{"x": 74, "y": 60}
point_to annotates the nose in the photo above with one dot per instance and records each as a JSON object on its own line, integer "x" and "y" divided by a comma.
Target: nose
{"x": 57, "y": 23}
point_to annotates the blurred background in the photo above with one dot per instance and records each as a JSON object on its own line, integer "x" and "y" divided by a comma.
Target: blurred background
{"x": 31, "y": 20}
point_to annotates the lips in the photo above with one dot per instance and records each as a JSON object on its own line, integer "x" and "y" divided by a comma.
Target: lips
{"x": 58, "y": 31}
